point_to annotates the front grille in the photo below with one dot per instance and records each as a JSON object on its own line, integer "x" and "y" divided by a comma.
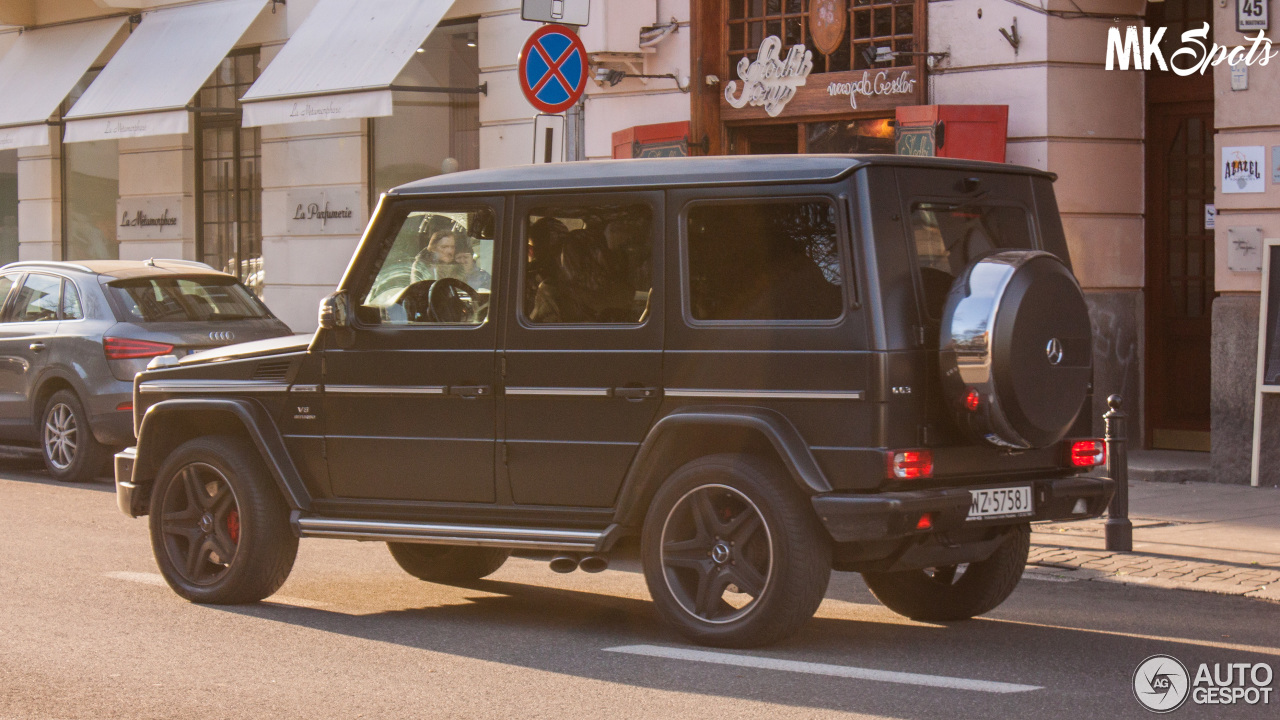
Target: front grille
{"x": 272, "y": 370}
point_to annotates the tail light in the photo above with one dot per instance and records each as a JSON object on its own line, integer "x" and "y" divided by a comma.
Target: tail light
{"x": 910, "y": 464}
{"x": 126, "y": 406}
{"x": 1088, "y": 453}
{"x": 972, "y": 400}
{"x": 925, "y": 522}
{"x": 127, "y": 349}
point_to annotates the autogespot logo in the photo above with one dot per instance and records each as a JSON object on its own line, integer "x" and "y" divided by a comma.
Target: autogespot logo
{"x": 1161, "y": 683}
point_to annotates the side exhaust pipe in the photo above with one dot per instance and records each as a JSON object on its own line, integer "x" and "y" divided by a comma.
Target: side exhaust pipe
{"x": 594, "y": 563}
{"x": 564, "y": 563}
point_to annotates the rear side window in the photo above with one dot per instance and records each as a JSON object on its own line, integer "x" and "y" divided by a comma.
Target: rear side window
{"x": 950, "y": 236}
{"x": 38, "y": 299}
{"x": 766, "y": 260}
{"x": 71, "y": 302}
{"x": 177, "y": 299}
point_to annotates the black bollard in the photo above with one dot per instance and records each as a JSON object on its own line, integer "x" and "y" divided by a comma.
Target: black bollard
{"x": 1119, "y": 528}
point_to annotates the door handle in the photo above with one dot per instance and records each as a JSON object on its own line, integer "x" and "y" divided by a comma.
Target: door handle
{"x": 470, "y": 392}
{"x": 635, "y": 394}
{"x": 36, "y": 347}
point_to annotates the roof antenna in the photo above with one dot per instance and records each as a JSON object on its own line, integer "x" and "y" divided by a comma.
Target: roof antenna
{"x": 149, "y": 262}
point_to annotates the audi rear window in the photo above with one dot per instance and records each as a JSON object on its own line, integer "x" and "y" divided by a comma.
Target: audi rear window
{"x": 949, "y": 237}
{"x": 179, "y": 299}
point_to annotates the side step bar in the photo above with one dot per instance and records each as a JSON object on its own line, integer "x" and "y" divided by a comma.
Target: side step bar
{"x": 442, "y": 534}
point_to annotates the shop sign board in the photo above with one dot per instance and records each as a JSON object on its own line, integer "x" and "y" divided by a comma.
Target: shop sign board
{"x": 828, "y": 20}
{"x": 565, "y": 12}
{"x": 149, "y": 218}
{"x": 1244, "y": 249}
{"x": 323, "y": 211}
{"x": 782, "y": 86}
{"x": 1268, "y": 374}
{"x": 1251, "y": 15}
{"x": 1241, "y": 169}
{"x": 553, "y": 69}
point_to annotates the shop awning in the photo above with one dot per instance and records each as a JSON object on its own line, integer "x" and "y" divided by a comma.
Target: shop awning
{"x": 342, "y": 61}
{"x": 40, "y": 70}
{"x": 145, "y": 88}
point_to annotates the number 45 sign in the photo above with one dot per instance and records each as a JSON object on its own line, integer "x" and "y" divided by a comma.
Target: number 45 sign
{"x": 1251, "y": 15}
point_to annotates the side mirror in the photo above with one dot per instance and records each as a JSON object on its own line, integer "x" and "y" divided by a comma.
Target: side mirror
{"x": 335, "y": 311}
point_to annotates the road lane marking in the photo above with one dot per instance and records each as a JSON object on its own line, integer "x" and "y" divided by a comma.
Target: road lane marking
{"x": 157, "y": 580}
{"x": 844, "y": 671}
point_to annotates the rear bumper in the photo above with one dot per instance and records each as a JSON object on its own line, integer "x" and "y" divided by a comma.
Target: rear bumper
{"x": 128, "y": 498}
{"x": 893, "y": 516}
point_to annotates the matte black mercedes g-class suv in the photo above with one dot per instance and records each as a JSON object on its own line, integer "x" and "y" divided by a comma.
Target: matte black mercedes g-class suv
{"x": 753, "y": 369}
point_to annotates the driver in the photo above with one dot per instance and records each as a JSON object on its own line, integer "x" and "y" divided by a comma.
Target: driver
{"x": 439, "y": 259}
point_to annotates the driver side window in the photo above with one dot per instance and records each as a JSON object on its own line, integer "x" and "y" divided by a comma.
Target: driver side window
{"x": 436, "y": 268}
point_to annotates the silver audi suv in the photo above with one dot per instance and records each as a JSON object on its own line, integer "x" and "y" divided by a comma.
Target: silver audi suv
{"x": 73, "y": 335}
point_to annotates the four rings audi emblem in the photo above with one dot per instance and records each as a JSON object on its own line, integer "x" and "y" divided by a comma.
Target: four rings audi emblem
{"x": 222, "y": 336}
{"x": 1054, "y": 351}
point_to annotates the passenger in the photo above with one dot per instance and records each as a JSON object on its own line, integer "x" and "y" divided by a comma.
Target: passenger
{"x": 546, "y": 237}
{"x": 581, "y": 290}
{"x": 464, "y": 254}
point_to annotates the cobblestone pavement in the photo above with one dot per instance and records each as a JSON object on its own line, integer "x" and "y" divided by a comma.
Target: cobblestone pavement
{"x": 1190, "y": 536}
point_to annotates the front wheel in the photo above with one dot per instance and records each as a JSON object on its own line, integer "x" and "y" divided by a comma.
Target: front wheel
{"x": 219, "y": 527}
{"x": 733, "y": 555}
{"x": 955, "y": 592}
{"x": 70, "y": 451}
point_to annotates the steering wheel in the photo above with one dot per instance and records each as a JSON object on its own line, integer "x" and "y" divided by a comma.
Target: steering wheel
{"x": 451, "y": 300}
{"x": 416, "y": 301}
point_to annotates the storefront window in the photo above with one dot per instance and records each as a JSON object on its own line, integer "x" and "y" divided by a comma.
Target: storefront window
{"x": 850, "y": 136}
{"x": 91, "y": 189}
{"x": 8, "y": 206}
{"x": 431, "y": 132}
{"x": 870, "y": 24}
{"x": 229, "y": 192}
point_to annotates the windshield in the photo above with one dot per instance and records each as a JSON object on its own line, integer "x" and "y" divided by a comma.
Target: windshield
{"x": 949, "y": 237}
{"x": 178, "y": 299}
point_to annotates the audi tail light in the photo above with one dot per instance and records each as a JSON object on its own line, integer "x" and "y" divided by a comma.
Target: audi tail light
{"x": 127, "y": 349}
{"x": 910, "y": 464}
{"x": 1088, "y": 453}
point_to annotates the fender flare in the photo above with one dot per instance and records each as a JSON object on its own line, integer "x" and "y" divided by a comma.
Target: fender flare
{"x": 642, "y": 478}
{"x": 257, "y": 424}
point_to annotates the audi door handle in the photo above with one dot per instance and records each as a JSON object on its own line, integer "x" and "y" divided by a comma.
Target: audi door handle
{"x": 470, "y": 392}
{"x": 36, "y": 347}
{"x": 635, "y": 394}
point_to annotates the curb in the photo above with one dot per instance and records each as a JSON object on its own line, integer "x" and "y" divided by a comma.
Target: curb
{"x": 1066, "y": 564}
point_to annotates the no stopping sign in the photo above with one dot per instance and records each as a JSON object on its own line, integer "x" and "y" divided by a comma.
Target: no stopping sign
{"x": 553, "y": 68}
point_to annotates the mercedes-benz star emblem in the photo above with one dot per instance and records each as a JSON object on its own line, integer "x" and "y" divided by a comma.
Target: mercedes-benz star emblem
{"x": 1054, "y": 351}
{"x": 222, "y": 336}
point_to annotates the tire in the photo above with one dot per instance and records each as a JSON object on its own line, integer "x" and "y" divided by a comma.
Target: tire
{"x": 212, "y": 498}
{"x": 936, "y": 595}
{"x": 67, "y": 446}
{"x": 734, "y": 521}
{"x": 447, "y": 563}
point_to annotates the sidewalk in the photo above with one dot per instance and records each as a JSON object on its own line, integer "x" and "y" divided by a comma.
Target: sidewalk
{"x": 1193, "y": 536}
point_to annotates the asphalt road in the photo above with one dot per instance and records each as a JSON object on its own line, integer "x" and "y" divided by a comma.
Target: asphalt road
{"x": 89, "y": 630}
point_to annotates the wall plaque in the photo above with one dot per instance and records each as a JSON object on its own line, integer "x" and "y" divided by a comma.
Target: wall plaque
{"x": 150, "y": 218}
{"x": 1244, "y": 249}
{"x": 828, "y": 21}
{"x": 316, "y": 211}
{"x": 1242, "y": 168}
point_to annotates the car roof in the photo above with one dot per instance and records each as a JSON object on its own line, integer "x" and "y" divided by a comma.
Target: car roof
{"x": 121, "y": 269}
{"x": 678, "y": 172}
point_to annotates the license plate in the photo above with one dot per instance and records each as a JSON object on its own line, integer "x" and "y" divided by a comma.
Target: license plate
{"x": 1003, "y": 502}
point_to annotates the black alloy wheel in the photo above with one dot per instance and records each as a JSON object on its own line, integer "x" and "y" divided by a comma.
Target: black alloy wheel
{"x": 733, "y": 553}
{"x": 200, "y": 522}
{"x": 219, "y": 525}
{"x": 717, "y": 554}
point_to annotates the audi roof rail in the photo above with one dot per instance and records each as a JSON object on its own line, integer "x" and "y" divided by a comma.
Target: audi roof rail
{"x": 52, "y": 264}
{"x": 172, "y": 261}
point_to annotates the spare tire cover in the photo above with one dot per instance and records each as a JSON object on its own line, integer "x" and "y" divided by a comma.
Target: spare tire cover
{"x": 1016, "y": 330}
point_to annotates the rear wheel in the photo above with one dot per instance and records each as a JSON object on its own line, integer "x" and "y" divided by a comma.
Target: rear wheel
{"x": 67, "y": 445}
{"x": 447, "y": 563}
{"x": 219, "y": 527}
{"x": 733, "y": 555}
{"x": 955, "y": 592}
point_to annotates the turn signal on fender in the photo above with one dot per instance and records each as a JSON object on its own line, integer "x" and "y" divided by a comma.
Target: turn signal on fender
{"x": 910, "y": 464}
{"x": 1088, "y": 453}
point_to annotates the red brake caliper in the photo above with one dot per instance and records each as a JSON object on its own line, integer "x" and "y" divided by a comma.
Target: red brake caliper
{"x": 233, "y": 525}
